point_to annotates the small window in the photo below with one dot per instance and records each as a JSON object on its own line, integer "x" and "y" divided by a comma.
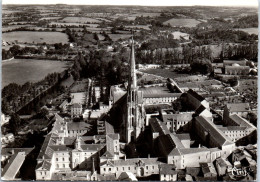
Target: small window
{"x": 57, "y": 159}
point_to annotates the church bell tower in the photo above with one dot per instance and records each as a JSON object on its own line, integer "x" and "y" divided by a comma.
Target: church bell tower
{"x": 135, "y": 119}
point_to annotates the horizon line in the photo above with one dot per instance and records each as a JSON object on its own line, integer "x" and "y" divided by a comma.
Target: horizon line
{"x": 242, "y": 6}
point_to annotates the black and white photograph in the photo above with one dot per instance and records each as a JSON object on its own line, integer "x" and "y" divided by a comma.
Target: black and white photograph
{"x": 121, "y": 90}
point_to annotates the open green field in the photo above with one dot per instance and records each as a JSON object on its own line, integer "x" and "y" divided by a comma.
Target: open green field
{"x": 174, "y": 22}
{"x": 116, "y": 37}
{"x": 178, "y": 35}
{"x": 145, "y": 27}
{"x": 29, "y": 70}
{"x": 35, "y": 37}
{"x": 249, "y": 30}
{"x": 66, "y": 24}
{"x": 80, "y": 20}
{"x": 12, "y": 27}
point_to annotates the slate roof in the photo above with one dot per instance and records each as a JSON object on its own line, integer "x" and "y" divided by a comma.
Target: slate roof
{"x": 158, "y": 126}
{"x": 195, "y": 95}
{"x": 13, "y": 166}
{"x": 241, "y": 122}
{"x": 184, "y": 136}
{"x": 214, "y": 132}
{"x": 168, "y": 169}
{"x": 12, "y": 151}
{"x": 208, "y": 168}
{"x": 45, "y": 165}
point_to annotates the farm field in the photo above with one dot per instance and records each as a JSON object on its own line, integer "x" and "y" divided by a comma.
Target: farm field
{"x": 29, "y": 70}
{"x": 80, "y": 20}
{"x": 116, "y": 37}
{"x": 178, "y": 35}
{"x": 12, "y": 27}
{"x": 35, "y": 37}
{"x": 174, "y": 22}
{"x": 50, "y": 18}
{"x": 146, "y": 27}
{"x": 249, "y": 30}
{"x": 66, "y": 24}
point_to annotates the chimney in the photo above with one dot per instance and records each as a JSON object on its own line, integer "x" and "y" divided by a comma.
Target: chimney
{"x": 148, "y": 156}
{"x": 125, "y": 157}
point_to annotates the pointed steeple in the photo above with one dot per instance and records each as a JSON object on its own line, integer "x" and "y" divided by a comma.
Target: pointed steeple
{"x": 132, "y": 77}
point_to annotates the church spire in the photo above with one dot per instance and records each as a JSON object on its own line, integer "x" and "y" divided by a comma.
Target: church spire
{"x": 132, "y": 76}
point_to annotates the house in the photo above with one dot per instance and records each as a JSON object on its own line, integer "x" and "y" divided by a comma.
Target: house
{"x": 214, "y": 137}
{"x": 8, "y": 138}
{"x": 241, "y": 109}
{"x": 4, "y": 119}
{"x": 138, "y": 166}
{"x": 175, "y": 121}
{"x": 63, "y": 105}
{"x": 168, "y": 172}
{"x": 237, "y": 70}
{"x": 223, "y": 166}
{"x": 76, "y": 110}
{"x": 188, "y": 177}
{"x": 208, "y": 170}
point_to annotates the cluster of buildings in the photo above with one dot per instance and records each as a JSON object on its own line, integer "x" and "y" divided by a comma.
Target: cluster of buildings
{"x": 235, "y": 67}
{"x": 194, "y": 143}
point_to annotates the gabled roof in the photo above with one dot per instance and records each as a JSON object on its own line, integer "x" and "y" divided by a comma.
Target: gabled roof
{"x": 200, "y": 109}
{"x": 208, "y": 168}
{"x": 195, "y": 95}
{"x": 241, "y": 121}
{"x": 107, "y": 163}
{"x": 158, "y": 126}
{"x": 107, "y": 154}
{"x": 168, "y": 169}
{"x": 13, "y": 166}
{"x": 12, "y": 151}
{"x": 109, "y": 128}
{"x": 213, "y": 131}
{"x": 45, "y": 165}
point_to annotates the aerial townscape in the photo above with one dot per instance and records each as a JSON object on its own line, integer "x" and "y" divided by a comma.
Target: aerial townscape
{"x": 129, "y": 93}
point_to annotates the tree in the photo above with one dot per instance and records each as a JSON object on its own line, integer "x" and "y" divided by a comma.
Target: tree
{"x": 177, "y": 105}
{"x": 43, "y": 112}
{"x": 14, "y": 123}
{"x": 202, "y": 66}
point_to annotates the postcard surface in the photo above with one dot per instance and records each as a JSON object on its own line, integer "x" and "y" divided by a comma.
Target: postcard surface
{"x": 114, "y": 91}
